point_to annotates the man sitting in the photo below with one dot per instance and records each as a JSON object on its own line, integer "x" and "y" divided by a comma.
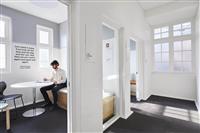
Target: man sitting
{"x": 59, "y": 81}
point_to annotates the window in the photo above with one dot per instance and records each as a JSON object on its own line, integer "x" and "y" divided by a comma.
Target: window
{"x": 173, "y": 48}
{"x": 2, "y": 29}
{"x": 5, "y": 43}
{"x": 160, "y": 33}
{"x": 161, "y": 56}
{"x": 45, "y": 44}
{"x": 2, "y": 56}
{"x": 182, "y": 29}
{"x": 182, "y": 56}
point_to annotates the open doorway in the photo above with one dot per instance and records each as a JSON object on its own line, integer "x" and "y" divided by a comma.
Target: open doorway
{"x": 133, "y": 70}
{"x": 41, "y": 31}
{"x": 110, "y": 65}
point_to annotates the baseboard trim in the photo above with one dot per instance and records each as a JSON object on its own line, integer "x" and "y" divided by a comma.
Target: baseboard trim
{"x": 26, "y": 104}
{"x": 128, "y": 114}
{"x": 197, "y": 105}
{"x": 110, "y": 122}
{"x": 146, "y": 97}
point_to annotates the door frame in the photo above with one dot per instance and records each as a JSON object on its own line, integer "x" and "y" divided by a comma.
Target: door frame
{"x": 140, "y": 67}
{"x": 108, "y": 22}
{"x": 137, "y": 65}
{"x": 70, "y": 68}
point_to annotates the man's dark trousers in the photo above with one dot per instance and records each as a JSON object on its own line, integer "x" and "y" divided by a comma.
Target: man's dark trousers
{"x": 54, "y": 88}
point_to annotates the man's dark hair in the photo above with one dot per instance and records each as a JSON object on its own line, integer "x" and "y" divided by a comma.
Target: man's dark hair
{"x": 55, "y": 62}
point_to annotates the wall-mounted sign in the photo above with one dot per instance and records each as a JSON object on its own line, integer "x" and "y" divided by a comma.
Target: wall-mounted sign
{"x": 24, "y": 55}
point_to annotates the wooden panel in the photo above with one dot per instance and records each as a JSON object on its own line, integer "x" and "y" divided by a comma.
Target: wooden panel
{"x": 7, "y": 119}
{"x": 108, "y": 107}
{"x": 132, "y": 82}
{"x": 62, "y": 99}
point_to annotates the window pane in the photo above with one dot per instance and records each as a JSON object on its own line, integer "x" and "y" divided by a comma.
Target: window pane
{"x": 177, "y": 56}
{"x": 177, "y": 46}
{"x": 2, "y": 29}
{"x": 165, "y": 29}
{"x": 165, "y": 47}
{"x": 162, "y": 67}
{"x": 157, "y": 36}
{"x": 177, "y": 33}
{"x": 187, "y": 55}
{"x": 157, "y": 47}
{"x": 165, "y": 35}
{"x": 186, "y": 31}
{"x": 165, "y": 57}
{"x": 178, "y": 66}
{"x": 156, "y": 31}
{"x": 187, "y": 45}
{"x": 2, "y": 56}
{"x": 44, "y": 58}
{"x": 44, "y": 37}
{"x": 187, "y": 66}
{"x": 186, "y": 25}
{"x": 158, "y": 57}
{"x": 177, "y": 27}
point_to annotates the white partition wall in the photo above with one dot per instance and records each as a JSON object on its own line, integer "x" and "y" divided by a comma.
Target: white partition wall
{"x": 87, "y": 58}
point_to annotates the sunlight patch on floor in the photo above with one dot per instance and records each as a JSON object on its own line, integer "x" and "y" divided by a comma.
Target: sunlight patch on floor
{"x": 182, "y": 114}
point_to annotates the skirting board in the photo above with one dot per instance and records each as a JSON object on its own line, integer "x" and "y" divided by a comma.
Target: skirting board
{"x": 198, "y": 107}
{"x": 110, "y": 122}
{"x": 25, "y": 104}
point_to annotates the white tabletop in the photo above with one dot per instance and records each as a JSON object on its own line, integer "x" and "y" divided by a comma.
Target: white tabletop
{"x": 32, "y": 84}
{"x": 3, "y": 105}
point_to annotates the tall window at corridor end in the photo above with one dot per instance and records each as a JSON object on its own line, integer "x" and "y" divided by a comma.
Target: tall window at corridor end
{"x": 173, "y": 48}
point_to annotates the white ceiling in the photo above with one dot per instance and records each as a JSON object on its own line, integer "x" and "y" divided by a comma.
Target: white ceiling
{"x": 150, "y": 4}
{"x": 168, "y": 12}
{"x": 51, "y": 10}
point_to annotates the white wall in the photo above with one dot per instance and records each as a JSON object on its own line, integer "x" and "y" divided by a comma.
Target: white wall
{"x": 87, "y": 86}
{"x": 18, "y": 75}
{"x": 198, "y": 58}
{"x": 174, "y": 84}
{"x": 63, "y": 28}
{"x": 109, "y": 57}
{"x": 182, "y": 86}
{"x": 109, "y": 71}
{"x": 133, "y": 60}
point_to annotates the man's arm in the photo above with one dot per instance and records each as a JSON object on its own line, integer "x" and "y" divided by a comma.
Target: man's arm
{"x": 49, "y": 79}
{"x": 63, "y": 77}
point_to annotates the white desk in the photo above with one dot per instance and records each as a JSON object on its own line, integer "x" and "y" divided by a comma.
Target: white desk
{"x": 33, "y": 84}
{"x": 4, "y": 106}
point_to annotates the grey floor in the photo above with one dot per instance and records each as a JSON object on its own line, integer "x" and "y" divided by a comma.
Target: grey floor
{"x": 159, "y": 115}
{"x": 49, "y": 122}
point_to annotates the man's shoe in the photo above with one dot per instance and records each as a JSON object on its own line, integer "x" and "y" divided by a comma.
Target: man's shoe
{"x": 47, "y": 105}
{"x": 54, "y": 107}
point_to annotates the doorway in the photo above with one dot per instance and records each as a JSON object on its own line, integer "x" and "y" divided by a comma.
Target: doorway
{"x": 110, "y": 74}
{"x": 133, "y": 70}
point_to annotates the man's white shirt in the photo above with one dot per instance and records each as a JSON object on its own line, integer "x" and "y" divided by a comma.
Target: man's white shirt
{"x": 59, "y": 76}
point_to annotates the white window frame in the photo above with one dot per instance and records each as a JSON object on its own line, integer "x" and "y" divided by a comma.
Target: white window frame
{"x": 182, "y": 60}
{"x": 161, "y": 32}
{"x": 161, "y": 54}
{"x": 45, "y": 46}
{"x": 8, "y": 42}
{"x": 182, "y": 29}
{"x": 171, "y": 39}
